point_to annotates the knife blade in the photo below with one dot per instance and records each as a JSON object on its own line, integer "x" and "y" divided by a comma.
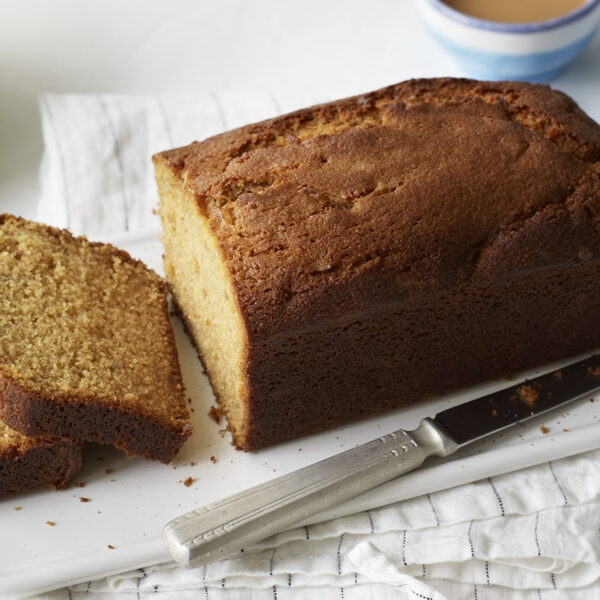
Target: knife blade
{"x": 223, "y": 528}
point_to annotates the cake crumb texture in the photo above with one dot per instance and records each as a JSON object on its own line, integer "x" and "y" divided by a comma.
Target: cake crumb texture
{"x": 86, "y": 346}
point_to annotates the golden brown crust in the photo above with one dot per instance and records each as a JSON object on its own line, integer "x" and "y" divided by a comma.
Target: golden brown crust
{"x": 430, "y": 193}
{"x": 413, "y": 187}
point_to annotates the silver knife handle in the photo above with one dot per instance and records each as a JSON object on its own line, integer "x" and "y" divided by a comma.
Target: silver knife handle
{"x": 223, "y": 528}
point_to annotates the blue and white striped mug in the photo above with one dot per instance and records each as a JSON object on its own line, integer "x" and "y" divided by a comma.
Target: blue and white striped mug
{"x": 515, "y": 51}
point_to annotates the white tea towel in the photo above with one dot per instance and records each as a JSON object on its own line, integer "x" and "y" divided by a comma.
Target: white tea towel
{"x": 533, "y": 534}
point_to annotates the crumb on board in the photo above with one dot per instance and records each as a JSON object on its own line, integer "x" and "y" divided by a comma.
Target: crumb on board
{"x": 528, "y": 395}
{"x": 108, "y": 471}
{"x": 83, "y": 499}
{"x": 51, "y": 523}
{"x": 111, "y": 547}
{"x": 187, "y": 482}
{"x": 215, "y": 413}
{"x": 595, "y": 371}
{"x": 558, "y": 374}
{"x": 79, "y": 484}
{"x": 222, "y": 432}
{"x": 564, "y": 429}
{"x": 544, "y": 429}
{"x": 591, "y": 400}
{"x": 494, "y": 413}
{"x": 213, "y": 460}
{"x": 193, "y": 464}
{"x": 17, "y": 507}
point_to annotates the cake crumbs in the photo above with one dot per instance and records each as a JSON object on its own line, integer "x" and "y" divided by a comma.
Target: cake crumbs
{"x": 592, "y": 400}
{"x": 111, "y": 547}
{"x": 222, "y": 432}
{"x": 214, "y": 460}
{"x": 565, "y": 430}
{"x": 558, "y": 374}
{"x": 494, "y": 413}
{"x": 187, "y": 482}
{"x": 51, "y": 523}
{"x": 84, "y": 499}
{"x": 193, "y": 464}
{"x": 17, "y": 508}
{"x": 215, "y": 413}
{"x": 108, "y": 471}
{"x": 595, "y": 371}
{"x": 528, "y": 395}
{"x": 79, "y": 484}
{"x": 544, "y": 429}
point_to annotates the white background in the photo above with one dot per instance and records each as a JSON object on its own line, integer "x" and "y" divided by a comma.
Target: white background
{"x": 328, "y": 48}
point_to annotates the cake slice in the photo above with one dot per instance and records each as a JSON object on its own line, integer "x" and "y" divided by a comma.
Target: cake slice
{"x": 86, "y": 346}
{"x": 29, "y": 463}
{"x": 357, "y": 256}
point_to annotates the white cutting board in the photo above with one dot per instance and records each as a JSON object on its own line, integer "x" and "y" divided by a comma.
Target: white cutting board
{"x": 131, "y": 499}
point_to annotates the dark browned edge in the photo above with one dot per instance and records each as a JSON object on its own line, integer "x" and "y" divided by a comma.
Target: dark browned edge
{"x": 41, "y": 463}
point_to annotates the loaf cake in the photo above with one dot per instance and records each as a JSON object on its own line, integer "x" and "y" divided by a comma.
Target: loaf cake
{"x": 358, "y": 256}
{"x": 86, "y": 346}
{"x": 29, "y": 463}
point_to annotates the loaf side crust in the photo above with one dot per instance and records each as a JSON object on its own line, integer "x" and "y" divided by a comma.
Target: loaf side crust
{"x": 36, "y": 463}
{"x": 86, "y": 418}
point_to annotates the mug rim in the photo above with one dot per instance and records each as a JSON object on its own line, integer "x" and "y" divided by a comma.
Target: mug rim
{"x": 535, "y": 26}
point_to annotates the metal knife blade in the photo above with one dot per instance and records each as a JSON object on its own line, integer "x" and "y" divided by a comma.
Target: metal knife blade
{"x": 221, "y": 529}
{"x": 475, "y": 419}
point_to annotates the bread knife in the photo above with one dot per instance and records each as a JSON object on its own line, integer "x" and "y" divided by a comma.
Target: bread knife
{"x": 222, "y": 528}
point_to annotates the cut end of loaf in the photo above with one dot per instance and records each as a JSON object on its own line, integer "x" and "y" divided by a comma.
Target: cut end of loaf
{"x": 206, "y": 298}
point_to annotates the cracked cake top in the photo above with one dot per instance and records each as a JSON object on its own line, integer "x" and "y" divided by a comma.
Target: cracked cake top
{"x": 354, "y": 205}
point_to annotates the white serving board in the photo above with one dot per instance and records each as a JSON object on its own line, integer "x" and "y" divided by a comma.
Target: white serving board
{"x": 129, "y": 504}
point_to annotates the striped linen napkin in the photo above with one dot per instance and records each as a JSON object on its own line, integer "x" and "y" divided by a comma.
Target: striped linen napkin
{"x": 533, "y": 534}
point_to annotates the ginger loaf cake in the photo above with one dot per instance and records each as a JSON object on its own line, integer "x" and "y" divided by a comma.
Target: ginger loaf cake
{"x": 29, "y": 463}
{"x": 86, "y": 346}
{"x": 357, "y": 256}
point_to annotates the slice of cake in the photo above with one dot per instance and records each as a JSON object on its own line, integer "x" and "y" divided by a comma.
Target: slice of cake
{"x": 86, "y": 346}
{"x": 29, "y": 463}
{"x": 358, "y": 256}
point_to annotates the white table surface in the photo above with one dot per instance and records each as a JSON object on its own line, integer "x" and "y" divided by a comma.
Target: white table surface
{"x": 337, "y": 47}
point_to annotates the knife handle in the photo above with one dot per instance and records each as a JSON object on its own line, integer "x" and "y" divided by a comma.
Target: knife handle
{"x": 221, "y": 529}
